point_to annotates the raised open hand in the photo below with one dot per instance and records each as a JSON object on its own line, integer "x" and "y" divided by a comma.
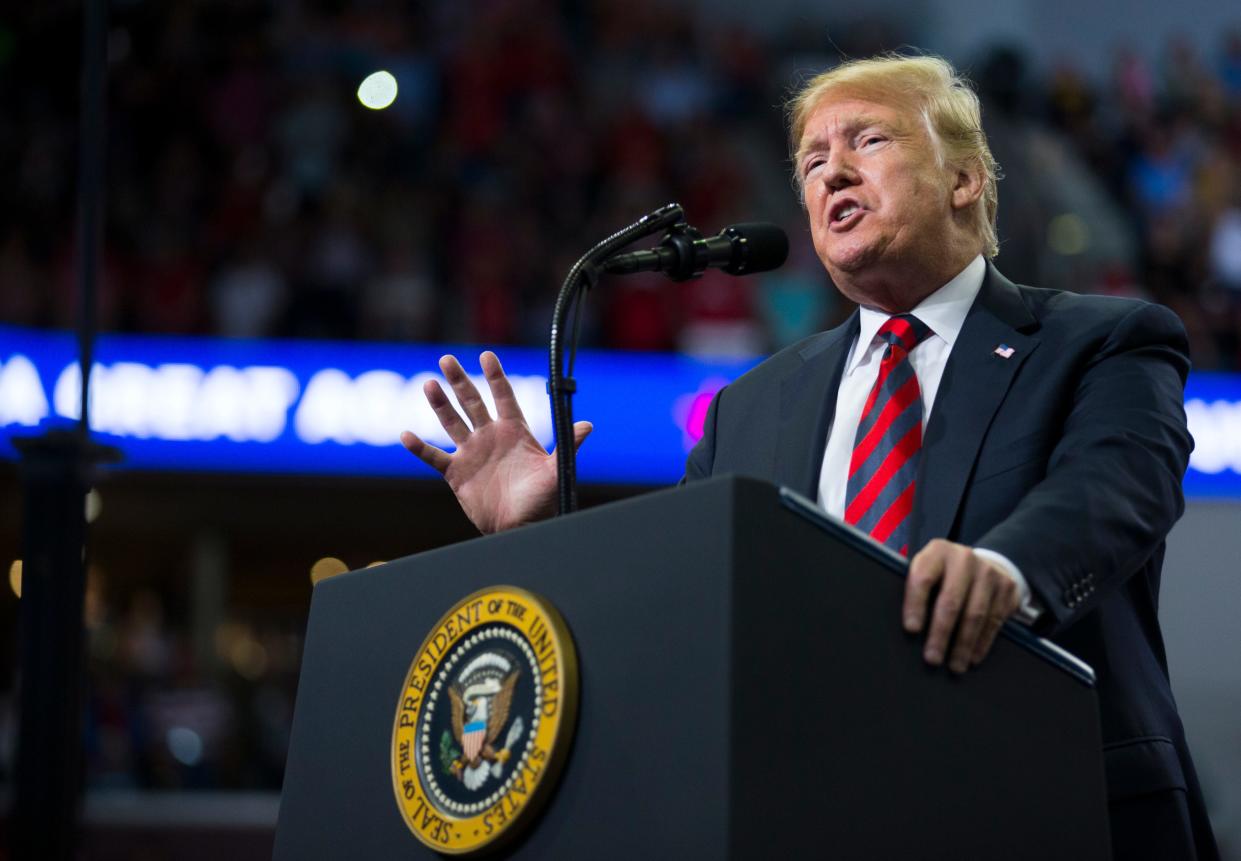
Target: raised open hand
{"x": 500, "y": 473}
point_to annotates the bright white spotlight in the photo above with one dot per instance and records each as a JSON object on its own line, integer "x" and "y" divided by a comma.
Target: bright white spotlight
{"x": 377, "y": 91}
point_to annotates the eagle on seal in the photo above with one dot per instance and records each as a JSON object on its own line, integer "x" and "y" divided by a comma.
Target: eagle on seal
{"x": 481, "y": 701}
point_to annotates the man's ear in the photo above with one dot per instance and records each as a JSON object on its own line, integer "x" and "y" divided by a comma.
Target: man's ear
{"x": 971, "y": 180}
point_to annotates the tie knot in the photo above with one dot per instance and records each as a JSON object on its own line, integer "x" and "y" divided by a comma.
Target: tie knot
{"x": 905, "y": 331}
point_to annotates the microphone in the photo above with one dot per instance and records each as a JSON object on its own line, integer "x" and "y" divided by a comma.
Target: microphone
{"x": 683, "y": 254}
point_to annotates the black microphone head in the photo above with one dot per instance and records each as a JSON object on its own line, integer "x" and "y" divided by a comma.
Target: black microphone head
{"x": 758, "y": 246}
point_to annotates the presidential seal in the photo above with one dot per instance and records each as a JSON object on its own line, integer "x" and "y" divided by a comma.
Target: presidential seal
{"x": 484, "y": 721}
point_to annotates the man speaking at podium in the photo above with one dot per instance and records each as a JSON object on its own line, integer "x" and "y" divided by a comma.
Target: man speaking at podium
{"x": 1026, "y": 446}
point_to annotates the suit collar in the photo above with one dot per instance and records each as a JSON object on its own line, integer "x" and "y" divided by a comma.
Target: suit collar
{"x": 976, "y": 380}
{"x": 808, "y": 405}
{"x": 1001, "y": 298}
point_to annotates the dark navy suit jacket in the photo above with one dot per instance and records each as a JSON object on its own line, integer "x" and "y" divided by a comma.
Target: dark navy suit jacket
{"x": 1066, "y": 457}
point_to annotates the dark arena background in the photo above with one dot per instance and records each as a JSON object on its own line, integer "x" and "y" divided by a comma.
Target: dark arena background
{"x": 302, "y": 204}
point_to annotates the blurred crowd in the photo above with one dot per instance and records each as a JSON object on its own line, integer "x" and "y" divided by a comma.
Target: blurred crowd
{"x": 249, "y": 193}
{"x": 159, "y": 715}
{"x": 171, "y": 706}
{"x": 1164, "y": 138}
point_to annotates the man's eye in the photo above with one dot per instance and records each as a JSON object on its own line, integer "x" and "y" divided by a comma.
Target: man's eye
{"x": 871, "y": 139}
{"x": 812, "y": 164}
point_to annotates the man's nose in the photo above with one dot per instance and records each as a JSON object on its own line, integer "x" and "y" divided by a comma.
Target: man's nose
{"x": 839, "y": 173}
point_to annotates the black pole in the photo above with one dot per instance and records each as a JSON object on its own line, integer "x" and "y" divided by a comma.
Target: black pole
{"x": 49, "y": 763}
{"x": 91, "y": 143}
{"x": 56, "y": 473}
{"x": 560, "y": 385}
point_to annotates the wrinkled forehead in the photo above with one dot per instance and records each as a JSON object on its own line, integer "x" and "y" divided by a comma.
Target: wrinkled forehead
{"x": 851, "y": 105}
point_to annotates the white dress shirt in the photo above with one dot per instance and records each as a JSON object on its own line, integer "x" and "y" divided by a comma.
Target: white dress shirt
{"x": 944, "y": 313}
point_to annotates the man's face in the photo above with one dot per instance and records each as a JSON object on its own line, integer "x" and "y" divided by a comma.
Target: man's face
{"x": 880, "y": 204}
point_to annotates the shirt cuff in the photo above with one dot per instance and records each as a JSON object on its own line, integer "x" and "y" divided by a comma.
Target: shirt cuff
{"x": 1029, "y": 610}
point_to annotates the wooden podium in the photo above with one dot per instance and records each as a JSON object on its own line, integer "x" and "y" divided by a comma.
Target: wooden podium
{"x": 747, "y": 691}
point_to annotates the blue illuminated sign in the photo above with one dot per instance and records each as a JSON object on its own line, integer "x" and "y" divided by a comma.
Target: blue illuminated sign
{"x": 214, "y": 404}
{"x": 1213, "y": 409}
{"x": 217, "y": 404}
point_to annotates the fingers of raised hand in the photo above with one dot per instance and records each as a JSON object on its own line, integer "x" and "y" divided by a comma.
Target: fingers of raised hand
{"x": 501, "y": 390}
{"x": 436, "y": 458}
{"x": 581, "y": 430}
{"x": 450, "y": 420}
{"x": 467, "y": 394}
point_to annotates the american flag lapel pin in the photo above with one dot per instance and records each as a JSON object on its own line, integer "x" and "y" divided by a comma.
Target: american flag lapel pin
{"x": 1004, "y": 351}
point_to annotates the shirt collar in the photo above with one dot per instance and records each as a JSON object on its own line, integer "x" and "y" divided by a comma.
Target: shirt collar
{"x": 943, "y": 311}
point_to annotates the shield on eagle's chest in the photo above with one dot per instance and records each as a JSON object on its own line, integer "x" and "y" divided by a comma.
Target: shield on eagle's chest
{"x": 472, "y": 739}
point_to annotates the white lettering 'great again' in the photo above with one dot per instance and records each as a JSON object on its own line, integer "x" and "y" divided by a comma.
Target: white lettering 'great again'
{"x": 180, "y": 401}
{"x": 376, "y": 406}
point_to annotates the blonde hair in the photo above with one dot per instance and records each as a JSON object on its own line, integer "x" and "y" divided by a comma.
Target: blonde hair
{"x": 927, "y": 86}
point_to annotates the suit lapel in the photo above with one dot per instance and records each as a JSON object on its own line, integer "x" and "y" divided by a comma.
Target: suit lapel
{"x": 807, "y": 406}
{"x": 971, "y": 390}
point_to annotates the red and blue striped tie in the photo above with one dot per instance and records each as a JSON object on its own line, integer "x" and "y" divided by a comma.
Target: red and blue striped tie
{"x": 880, "y": 493}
